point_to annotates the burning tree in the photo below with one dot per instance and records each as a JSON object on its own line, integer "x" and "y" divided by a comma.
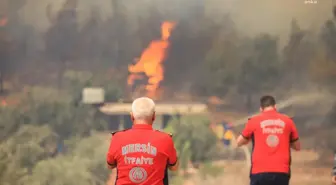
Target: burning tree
{"x": 150, "y": 62}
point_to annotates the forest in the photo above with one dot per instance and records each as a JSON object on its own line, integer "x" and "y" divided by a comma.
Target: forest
{"x": 48, "y": 137}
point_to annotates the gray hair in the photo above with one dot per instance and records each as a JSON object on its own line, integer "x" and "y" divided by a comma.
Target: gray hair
{"x": 143, "y": 108}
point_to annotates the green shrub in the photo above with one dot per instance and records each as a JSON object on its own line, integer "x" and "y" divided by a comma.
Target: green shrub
{"x": 194, "y": 141}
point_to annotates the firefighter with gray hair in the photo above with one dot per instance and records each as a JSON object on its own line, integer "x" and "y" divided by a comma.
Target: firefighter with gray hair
{"x": 141, "y": 154}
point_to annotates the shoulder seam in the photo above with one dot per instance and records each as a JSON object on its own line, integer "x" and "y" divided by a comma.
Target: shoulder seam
{"x": 251, "y": 117}
{"x": 113, "y": 133}
{"x": 170, "y": 134}
{"x": 254, "y": 116}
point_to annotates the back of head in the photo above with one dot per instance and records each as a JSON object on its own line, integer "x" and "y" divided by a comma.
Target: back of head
{"x": 143, "y": 109}
{"x": 267, "y": 102}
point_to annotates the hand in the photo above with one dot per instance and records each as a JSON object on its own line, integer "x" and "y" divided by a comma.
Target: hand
{"x": 233, "y": 143}
{"x": 333, "y": 179}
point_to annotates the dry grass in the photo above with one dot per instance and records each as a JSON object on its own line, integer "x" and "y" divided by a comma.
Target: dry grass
{"x": 303, "y": 172}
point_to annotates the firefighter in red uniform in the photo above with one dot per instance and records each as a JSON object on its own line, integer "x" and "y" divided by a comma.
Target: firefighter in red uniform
{"x": 141, "y": 154}
{"x": 273, "y": 135}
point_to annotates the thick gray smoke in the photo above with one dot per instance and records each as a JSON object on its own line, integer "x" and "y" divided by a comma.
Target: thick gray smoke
{"x": 52, "y": 35}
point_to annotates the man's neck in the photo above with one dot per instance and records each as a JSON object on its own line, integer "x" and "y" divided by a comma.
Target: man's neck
{"x": 268, "y": 109}
{"x": 142, "y": 122}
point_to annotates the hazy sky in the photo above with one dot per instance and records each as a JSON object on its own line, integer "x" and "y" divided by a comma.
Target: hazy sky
{"x": 274, "y": 16}
{"x": 271, "y": 16}
{"x": 35, "y": 11}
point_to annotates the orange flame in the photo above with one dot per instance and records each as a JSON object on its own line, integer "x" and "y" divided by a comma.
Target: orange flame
{"x": 3, "y": 21}
{"x": 151, "y": 60}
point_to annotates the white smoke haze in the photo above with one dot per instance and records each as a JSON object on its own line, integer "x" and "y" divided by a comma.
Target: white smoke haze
{"x": 34, "y": 12}
{"x": 250, "y": 17}
{"x": 269, "y": 16}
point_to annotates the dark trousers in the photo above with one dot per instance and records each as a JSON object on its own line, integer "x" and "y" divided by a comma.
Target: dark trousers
{"x": 269, "y": 179}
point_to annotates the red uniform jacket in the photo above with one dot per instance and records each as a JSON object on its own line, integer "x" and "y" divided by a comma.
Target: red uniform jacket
{"x": 271, "y": 134}
{"x": 141, "y": 155}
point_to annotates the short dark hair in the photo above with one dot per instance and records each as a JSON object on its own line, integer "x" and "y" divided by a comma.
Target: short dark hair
{"x": 267, "y": 101}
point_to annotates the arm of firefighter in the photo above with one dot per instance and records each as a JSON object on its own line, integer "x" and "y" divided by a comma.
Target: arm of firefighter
{"x": 241, "y": 140}
{"x": 294, "y": 138}
{"x": 173, "y": 163}
{"x": 111, "y": 154}
{"x": 245, "y": 135}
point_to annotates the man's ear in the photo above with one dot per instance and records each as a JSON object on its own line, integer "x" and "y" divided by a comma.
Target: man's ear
{"x": 154, "y": 115}
{"x": 261, "y": 109}
{"x": 132, "y": 117}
